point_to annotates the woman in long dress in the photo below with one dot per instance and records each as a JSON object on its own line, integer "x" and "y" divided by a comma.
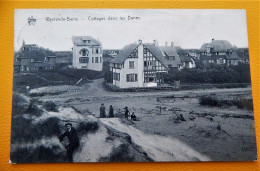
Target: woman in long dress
{"x": 111, "y": 111}
{"x": 102, "y": 111}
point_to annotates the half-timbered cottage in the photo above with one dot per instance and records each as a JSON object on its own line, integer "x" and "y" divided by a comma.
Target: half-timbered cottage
{"x": 139, "y": 65}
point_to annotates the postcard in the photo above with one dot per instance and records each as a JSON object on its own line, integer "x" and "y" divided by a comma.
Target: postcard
{"x": 131, "y": 85}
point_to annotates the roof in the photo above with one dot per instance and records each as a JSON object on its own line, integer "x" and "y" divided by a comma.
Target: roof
{"x": 170, "y": 51}
{"x": 38, "y": 54}
{"x": 124, "y": 53}
{"x": 243, "y": 55}
{"x": 184, "y": 55}
{"x": 234, "y": 55}
{"x": 211, "y": 57}
{"x": 128, "y": 49}
{"x": 31, "y": 45}
{"x": 157, "y": 53}
{"x": 185, "y": 58}
{"x": 217, "y": 46}
{"x": 78, "y": 40}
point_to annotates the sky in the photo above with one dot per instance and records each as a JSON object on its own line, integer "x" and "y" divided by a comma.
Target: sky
{"x": 54, "y": 28}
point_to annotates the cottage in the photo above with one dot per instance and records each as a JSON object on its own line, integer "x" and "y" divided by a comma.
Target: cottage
{"x": 87, "y": 53}
{"x": 186, "y": 60}
{"x": 221, "y": 52}
{"x": 194, "y": 53}
{"x": 139, "y": 65}
{"x": 171, "y": 56}
{"x": 31, "y": 57}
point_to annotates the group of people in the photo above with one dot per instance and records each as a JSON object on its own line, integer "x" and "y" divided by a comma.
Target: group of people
{"x": 103, "y": 111}
{"x": 111, "y": 112}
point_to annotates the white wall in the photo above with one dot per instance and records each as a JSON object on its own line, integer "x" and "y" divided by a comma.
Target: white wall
{"x": 126, "y": 70}
{"x": 93, "y": 66}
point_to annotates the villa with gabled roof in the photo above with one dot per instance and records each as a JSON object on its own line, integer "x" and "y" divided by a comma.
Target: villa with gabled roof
{"x": 139, "y": 65}
{"x": 87, "y": 53}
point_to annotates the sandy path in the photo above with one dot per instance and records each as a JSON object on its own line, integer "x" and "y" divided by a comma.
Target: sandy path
{"x": 159, "y": 148}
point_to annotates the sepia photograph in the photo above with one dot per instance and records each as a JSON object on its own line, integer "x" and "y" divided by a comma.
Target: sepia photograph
{"x": 131, "y": 85}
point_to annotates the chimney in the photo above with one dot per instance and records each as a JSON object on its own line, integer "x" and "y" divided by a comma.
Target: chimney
{"x": 172, "y": 44}
{"x": 139, "y": 41}
{"x": 166, "y": 43}
{"x": 155, "y": 42}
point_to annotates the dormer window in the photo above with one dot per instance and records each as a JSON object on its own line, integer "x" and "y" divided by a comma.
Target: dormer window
{"x": 86, "y": 41}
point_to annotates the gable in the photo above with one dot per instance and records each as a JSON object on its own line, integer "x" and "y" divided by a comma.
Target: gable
{"x": 126, "y": 52}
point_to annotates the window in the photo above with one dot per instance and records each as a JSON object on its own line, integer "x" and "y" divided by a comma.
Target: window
{"x": 97, "y": 50}
{"x": 151, "y": 79}
{"x": 92, "y": 59}
{"x": 100, "y": 59}
{"x": 96, "y": 59}
{"x": 84, "y": 52}
{"x": 145, "y": 63}
{"x": 116, "y": 76}
{"x": 145, "y": 51}
{"x": 83, "y": 60}
{"x": 31, "y": 60}
{"x": 84, "y": 41}
{"x": 88, "y": 41}
{"x": 131, "y": 64}
{"x": 131, "y": 77}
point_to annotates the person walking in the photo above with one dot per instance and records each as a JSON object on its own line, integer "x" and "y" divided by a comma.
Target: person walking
{"x": 127, "y": 113}
{"x": 111, "y": 111}
{"x": 102, "y": 111}
{"x": 72, "y": 136}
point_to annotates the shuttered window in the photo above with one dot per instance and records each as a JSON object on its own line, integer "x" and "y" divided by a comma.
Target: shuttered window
{"x": 131, "y": 77}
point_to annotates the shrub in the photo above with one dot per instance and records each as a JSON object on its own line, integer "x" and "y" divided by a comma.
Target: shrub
{"x": 87, "y": 127}
{"x": 23, "y": 105}
{"x": 214, "y": 74}
{"x": 37, "y": 154}
{"x": 244, "y": 103}
{"x": 49, "y": 127}
{"x": 50, "y": 106}
{"x": 19, "y": 104}
{"x": 80, "y": 73}
{"x": 241, "y": 103}
{"x": 23, "y": 130}
{"x": 33, "y": 109}
{"x": 209, "y": 101}
{"x": 108, "y": 77}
